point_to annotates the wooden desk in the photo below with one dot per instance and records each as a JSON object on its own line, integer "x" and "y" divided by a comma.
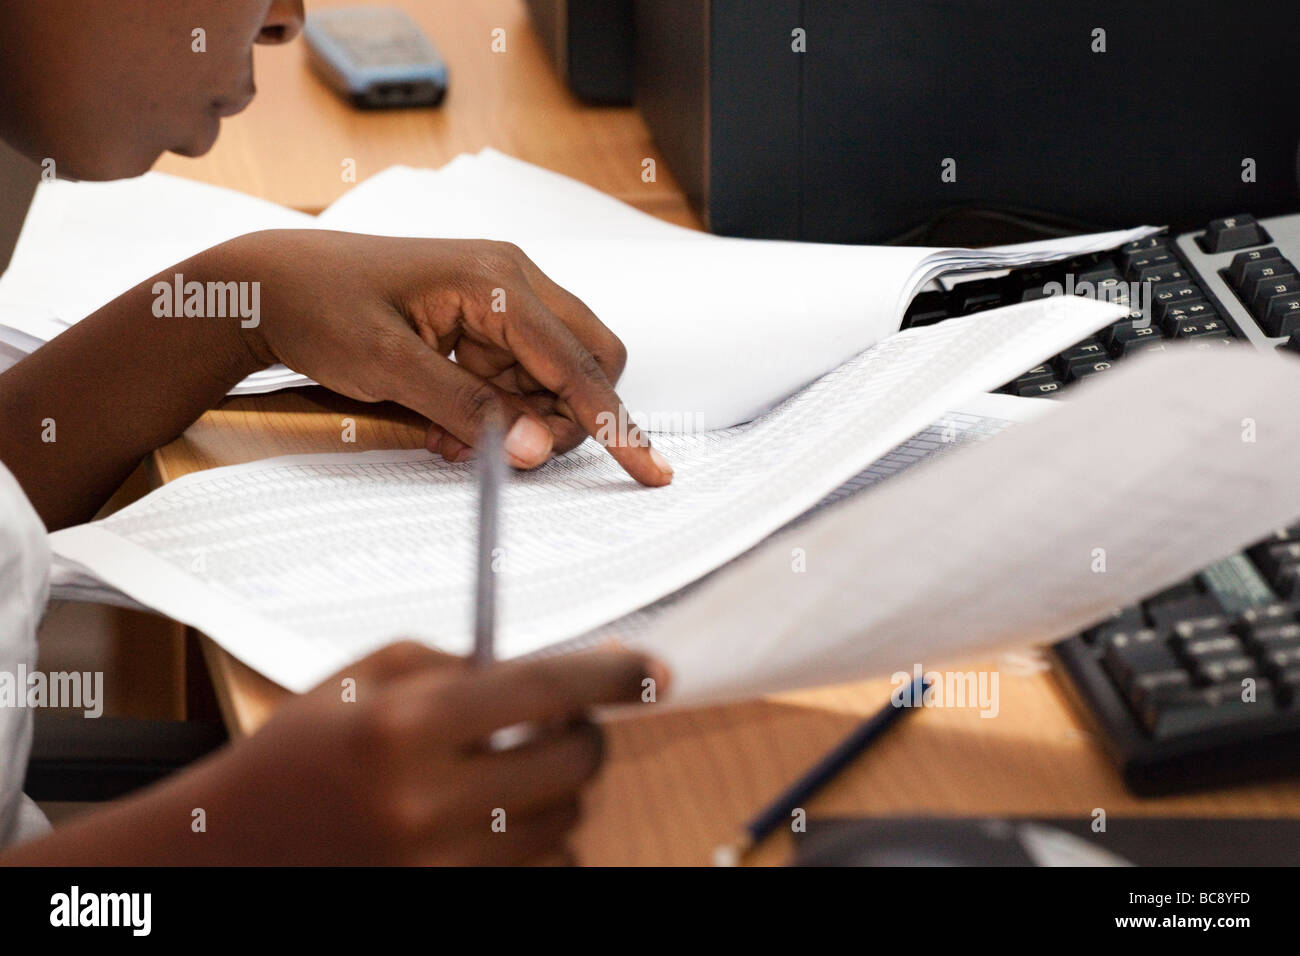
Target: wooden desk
{"x": 677, "y": 785}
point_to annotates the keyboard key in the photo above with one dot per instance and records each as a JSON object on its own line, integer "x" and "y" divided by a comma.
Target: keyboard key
{"x": 1286, "y": 581}
{"x": 979, "y": 295}
{"x": 1033, "y": 283}
{"x": 1150, "y": 691}
{"x": 1099, "y": 274}
{"x": 1211, "y": 647}
{"x": 1267, "y": 615}
{"x": 1147, "y": 690}
{"x": 1083, "y": 353}
{"x": 1123, "y": 336}
{"x": 1078, "y": 372}
{"x": 927, "y": 317}
{"x": 1157, "y": 261}
{"x": 1264, "y": 274}
{"x": 1211, "y": 330}
{"x": 1188, "y": 313}
{"x": 1038, "y": 375}
{"x": 1223, "y": 670}
{"x": 1118, "y": 293}
{"x": 1142, "y": 248}
{"x": 1233, "y": 232}
{"x": 1176, "y": 592}
{"x": 1242, "y": 262}
{"x": 1171, "y": 292}
{"x": 1195, "y": 710}
{"x": 1195, "y": 628}
{"x": 1288, "y": 685}
{"x": 1282, "y": 658}
{"x": 1202, "y": 611}
{"x": 1261, "y": 639}
{"x": 1161, "y": 274}
{"x": 1033, "y": 293}
{"x": 1262, "y": 301}
{"x": 1270, "y": 555}
{"x": 927, "y": 308}
{"x": 1125, "y": 619}
{"x": 1284, "y": 535}
{"x": 1162, "y": 308}
{"x": 1252, "y": 289}
{"x": 1113, "y": 290}
{"x": 1282, "y": 317}
{"x": 1041, "y": 390}
{"x": 1148, "y": 346}
{"x": 1131, "y": 654}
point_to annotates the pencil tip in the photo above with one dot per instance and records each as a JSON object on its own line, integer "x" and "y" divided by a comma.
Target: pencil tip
{"x": 731, "y": 854}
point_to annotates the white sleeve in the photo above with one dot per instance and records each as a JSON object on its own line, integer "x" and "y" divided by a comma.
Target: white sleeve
{"x": 24, "y": 590}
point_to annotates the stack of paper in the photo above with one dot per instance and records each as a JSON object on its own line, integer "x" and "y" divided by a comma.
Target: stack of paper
{"x": 718, "y": 330}
{"x": 301, "y": 565}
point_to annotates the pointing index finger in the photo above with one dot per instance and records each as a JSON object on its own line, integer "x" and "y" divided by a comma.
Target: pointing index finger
{"x": 552, "y": 354}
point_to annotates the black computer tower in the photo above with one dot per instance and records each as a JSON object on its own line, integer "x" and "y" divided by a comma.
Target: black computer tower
{"x": 590, "y": 42}
{"x": 901, "y": 118}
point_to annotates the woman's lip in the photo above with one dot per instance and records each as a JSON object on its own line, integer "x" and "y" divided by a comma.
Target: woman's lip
{"x": 225, "y": 107}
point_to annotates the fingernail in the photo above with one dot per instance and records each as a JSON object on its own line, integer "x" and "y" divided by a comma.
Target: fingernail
{"x": 465, "y": 454}
{"x": 660, "y": 461}
{"x": 528, "y": 442}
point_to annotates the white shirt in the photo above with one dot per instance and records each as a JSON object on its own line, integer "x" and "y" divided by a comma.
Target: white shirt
{"x": 24, "y": 591}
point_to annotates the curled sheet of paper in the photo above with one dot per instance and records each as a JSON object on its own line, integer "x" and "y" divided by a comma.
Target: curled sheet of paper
{"x": 1144, "y": 477}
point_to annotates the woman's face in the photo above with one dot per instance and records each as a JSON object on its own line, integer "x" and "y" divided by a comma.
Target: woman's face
{"x": 104, "y": 87}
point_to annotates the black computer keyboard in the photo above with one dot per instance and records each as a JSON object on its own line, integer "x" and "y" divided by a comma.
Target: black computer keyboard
{"x": 1199, "y": 685}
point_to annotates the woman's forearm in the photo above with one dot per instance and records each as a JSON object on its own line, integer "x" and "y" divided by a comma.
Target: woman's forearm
{"x": 152, "y": 828}
{"x": 78, "y": 414}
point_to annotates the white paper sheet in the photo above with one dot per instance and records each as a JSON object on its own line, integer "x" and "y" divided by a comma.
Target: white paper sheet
{"x": 975, "y": 420}
{"x": 718, "y": 330}
{"x": 490, "y": 195}
{"x": 84, "y": 244}
{"x": 1165, "y": 465}
{"x": 299, "y": 566}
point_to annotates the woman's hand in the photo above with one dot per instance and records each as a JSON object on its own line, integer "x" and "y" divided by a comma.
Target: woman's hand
{"x": 388, "y": 762}
{"x": 379, "y": 318}
{"x": 461, "y": 332}
{"x": 396, "y": 766}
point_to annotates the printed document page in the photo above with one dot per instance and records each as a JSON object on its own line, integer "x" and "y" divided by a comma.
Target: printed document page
{"x": 301, "y": 565}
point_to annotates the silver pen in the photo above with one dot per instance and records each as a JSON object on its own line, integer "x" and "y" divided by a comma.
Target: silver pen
{"x": 491, "y": 478}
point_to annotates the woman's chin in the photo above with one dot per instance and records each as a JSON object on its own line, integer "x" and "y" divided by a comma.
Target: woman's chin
{"x": 202, "y": 141}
